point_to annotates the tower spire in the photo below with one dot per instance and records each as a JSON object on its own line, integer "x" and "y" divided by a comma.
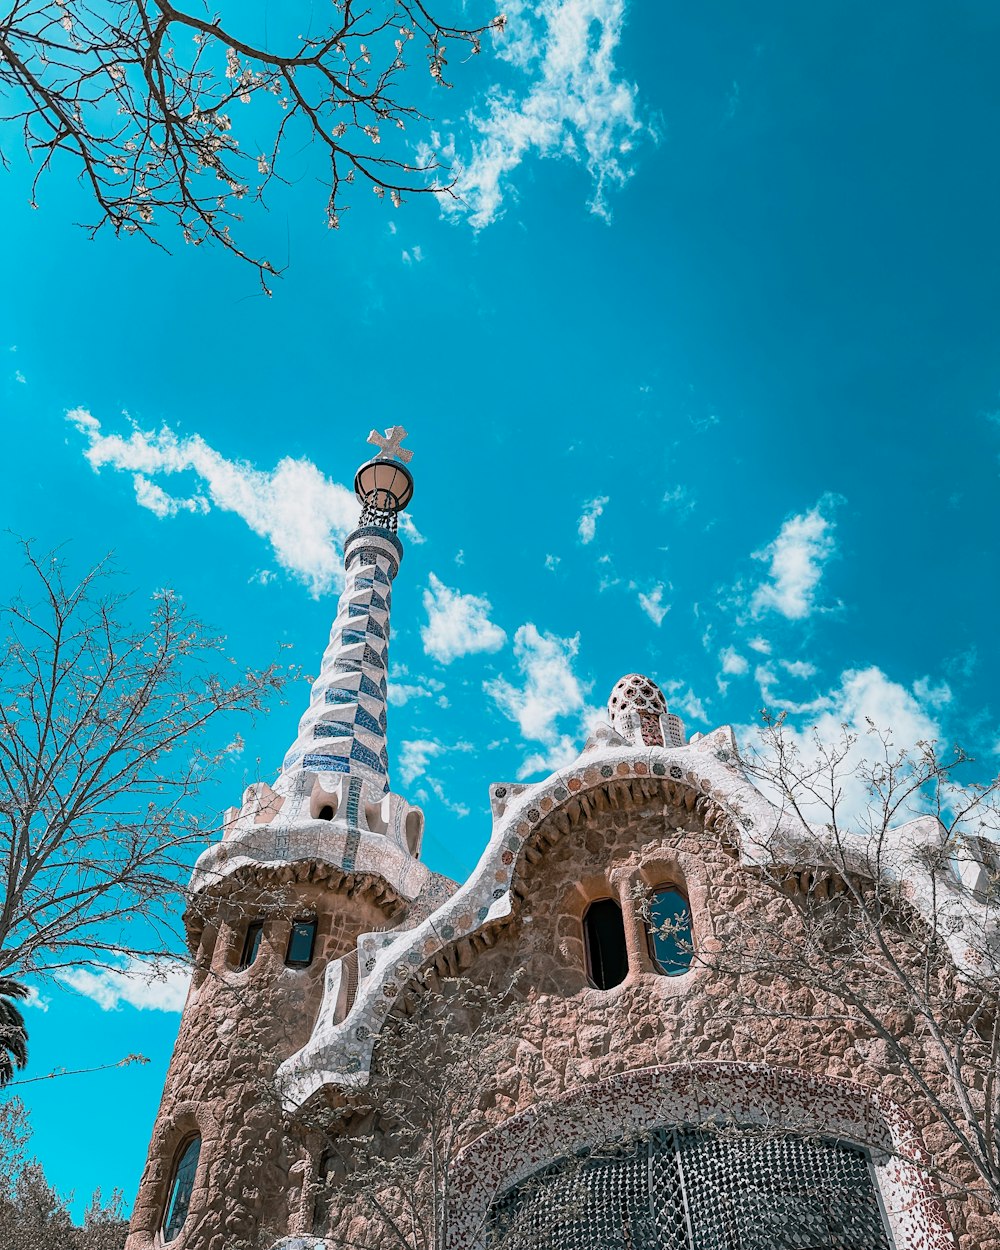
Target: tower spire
{"x": 339, "y": 761}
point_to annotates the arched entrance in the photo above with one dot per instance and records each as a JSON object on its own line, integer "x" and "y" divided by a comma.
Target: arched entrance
{"x": 704, "y": 1156}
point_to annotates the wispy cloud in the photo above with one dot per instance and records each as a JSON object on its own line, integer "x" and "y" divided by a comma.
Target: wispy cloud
{"x": 302, "y": 514}
{"x": 652, "y": 604}
{"x": 415, "y": 755}
{"x": 400, "y": 693}
{"x": 862, "y": 698}
{"x": 587, "y": 525}
{"x": 549, "y": 692}
{"x": 574, "y": 105}
{"x": 146, "y": 984}
{"x": 457, "y": 624}
{"x": 414, "y": 759}
{"x": 796, "y": 561}
{"x": 733, "y": 664}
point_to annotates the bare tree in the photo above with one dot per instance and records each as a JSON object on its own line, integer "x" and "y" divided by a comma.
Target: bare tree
{"x": 886, "y": 924}
{"x": 390, "y": 1154}
{"x": 144, "y": 98}
{"x": 102, "y": 755}
{"x": 32, "y": 1213}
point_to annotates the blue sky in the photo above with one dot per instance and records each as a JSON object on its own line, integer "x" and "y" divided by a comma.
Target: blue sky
{"x": 703, "y": 381}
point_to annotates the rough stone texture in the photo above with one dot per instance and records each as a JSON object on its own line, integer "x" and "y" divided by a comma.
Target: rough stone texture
{"x": 569, "y": 1034}
{"x": 236, "y": 1027}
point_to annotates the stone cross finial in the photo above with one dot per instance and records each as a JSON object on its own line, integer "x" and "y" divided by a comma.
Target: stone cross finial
{"x": 389, "y": 446}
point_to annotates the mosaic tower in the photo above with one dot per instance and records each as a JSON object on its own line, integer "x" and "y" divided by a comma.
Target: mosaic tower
{"x": 667, "y": 1101}
{"x": 306, "y": 866}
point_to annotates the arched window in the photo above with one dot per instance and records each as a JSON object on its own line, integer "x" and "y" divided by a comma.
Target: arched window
{"x": 604, "y": 938}
{"x": 669, "y": 931}
{"x": 181, "y": 1185}
{"x": 321, "y": 1203}
{"x": 301, "y": 941}
{"x": 251, "y": 944}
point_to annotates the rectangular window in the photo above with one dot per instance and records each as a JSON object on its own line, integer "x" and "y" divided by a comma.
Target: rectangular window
{"x": 251, "y": 944}
{"x": 300, "y": 944}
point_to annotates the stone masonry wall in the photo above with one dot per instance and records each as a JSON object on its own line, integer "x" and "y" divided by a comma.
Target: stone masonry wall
{"x": 236, "y": 1027}
{"x": 569, "y": 1033}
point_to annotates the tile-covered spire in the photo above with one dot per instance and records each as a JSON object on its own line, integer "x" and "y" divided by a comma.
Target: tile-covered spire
{"x": 344, "y": 728}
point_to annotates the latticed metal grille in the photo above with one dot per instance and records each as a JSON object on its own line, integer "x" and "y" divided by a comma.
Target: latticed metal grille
{"x": 690, "y": 1190}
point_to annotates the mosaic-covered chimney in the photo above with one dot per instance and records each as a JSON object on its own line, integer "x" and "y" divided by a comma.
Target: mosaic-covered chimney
{"x": 344, "y": 728}
{"x": 337, "y": 769}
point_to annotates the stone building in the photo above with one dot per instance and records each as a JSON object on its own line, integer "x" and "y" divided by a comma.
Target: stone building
{"x": 702, "y": 1113}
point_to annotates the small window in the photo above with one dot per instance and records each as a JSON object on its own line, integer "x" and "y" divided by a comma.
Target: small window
{"x": 179, "y": 1194}
{"x": 604, "y": 936}
{"x": 251, "y": 944}
{"x": 301, "y": 941}
{"x": 321, "y": 1204}
{"x": 669, "y": 931}
{"x": 325, "y": 813}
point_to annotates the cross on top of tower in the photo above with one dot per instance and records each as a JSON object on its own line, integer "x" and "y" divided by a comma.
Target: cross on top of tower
{"x": 389, "y": 446}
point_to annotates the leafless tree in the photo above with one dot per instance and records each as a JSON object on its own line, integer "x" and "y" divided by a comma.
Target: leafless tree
{"x": 32, "y": 1213}
{"x": 390, "y": 1155}
{"x": 886, "y": 924}
{"x": 103, "y": 725}
{"x": 145, "y": 100}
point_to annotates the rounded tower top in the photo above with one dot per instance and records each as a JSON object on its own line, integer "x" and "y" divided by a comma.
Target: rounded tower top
{"x": 638, "y": 712}
{"x": 384, "y": 485}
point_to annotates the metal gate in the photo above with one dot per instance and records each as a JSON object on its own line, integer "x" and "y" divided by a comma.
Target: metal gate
{"x": 698, "y": 1190}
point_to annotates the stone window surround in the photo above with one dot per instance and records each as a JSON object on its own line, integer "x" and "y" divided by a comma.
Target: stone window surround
{"x": 683, "y": 872}
{"x": 696, "y": 1094}
{"x": 190, "y": 1119}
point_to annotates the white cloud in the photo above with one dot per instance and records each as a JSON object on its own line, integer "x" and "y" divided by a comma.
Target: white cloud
{"x": 797, "y": 557}
{"x": 300, "y": 512}
{"x": 458, "y": 809}
{"x": 862, "y": 696}
{"x": 39, "y": 1001}
{"x": 575, "y": 105}
{"x": 732, "y": 662}
{"x": 760, "y": 645}
{"x": 457, "y": 624}
{"x": 550, "y": 692}
{"x": 587, "y": 524}
{"x": 653, "y": 605}
{"x": 681, "y": 698}
{"x": 936, "y": 696}
{"x": 415, "y": 756}
{"x": 799, "y": 668}
{"x": 679, "y": 498}
{"x": 20, "y": 378}
{"x": 400, "y": 693}
{"x": 551, "y": 563}
{"x": 146, "y": 984}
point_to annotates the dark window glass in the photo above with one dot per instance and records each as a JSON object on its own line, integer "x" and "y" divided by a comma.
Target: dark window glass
{"x": 300, "y": 944}
{"x": 670, "y": 931}
{"x": 179, "y": 1195}
{"x": 325, "y": 813}
{"x": 251, "y": 943}
{"x": 321, "y": 1205}
{"x": 604, "y": 935}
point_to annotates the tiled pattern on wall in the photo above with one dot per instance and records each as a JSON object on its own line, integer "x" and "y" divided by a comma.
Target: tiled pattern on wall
{"x": 756, "y": 1096}
{"x": 344, "y": 728}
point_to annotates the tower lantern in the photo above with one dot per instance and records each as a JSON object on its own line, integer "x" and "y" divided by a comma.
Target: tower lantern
{"x": 384, "y": 485}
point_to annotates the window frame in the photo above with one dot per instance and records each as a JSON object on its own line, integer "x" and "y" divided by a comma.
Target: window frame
{"x": 669, "y": 887}
{"x": 252, "y": 942}
{"x": 313, "y": 922}
{"x": 594, "y": 983}
{"x": 174, "y": 1187}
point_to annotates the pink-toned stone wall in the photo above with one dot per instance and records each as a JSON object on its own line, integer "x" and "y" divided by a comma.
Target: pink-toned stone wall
{"x": 567, "y": 1033}
{"x": 236, "y": 1028}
